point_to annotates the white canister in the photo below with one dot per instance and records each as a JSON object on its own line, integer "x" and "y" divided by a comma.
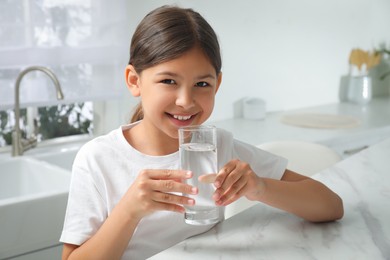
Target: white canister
{"x": 254, "y": 108}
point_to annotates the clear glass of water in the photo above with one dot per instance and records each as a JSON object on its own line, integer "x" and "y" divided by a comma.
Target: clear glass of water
{"x": 198, "y": 153}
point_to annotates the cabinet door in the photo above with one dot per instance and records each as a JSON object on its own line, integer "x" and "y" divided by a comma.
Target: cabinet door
{"x": 44, "y": 254}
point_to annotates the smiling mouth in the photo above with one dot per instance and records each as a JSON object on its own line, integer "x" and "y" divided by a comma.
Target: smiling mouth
{"x": 182, "y": 118}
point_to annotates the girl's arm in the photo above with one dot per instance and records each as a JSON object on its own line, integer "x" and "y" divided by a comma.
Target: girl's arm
{"x": 303, "y": 196}
{"x": 111, "y": 239}
{"x": 152, "y": 191}
{"x": 294, "y": 193}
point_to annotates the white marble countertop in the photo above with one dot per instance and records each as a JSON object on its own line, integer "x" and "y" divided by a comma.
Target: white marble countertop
{"x": 374, "y": 126}
{"x": 263, "y": 232}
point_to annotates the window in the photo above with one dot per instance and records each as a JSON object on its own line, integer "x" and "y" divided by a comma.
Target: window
{"x": 49, "y": 122}
{"x": 83, "y": 42}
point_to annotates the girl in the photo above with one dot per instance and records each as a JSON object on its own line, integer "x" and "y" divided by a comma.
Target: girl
{"x": 124, "y": 200}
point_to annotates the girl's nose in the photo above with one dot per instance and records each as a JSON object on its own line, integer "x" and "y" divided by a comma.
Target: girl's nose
{"x": 185, "y": 98}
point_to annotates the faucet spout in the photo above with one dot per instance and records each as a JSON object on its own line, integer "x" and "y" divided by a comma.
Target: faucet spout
{"x": 19, "y": 145}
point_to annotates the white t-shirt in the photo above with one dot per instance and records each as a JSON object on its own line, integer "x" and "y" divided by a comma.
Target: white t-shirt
{"x": 105, "y": 168}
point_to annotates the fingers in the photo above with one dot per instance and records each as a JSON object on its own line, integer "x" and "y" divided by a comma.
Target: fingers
{"x": 169, "y": 207}
{"x": 230, "y": 193}
{"x": 231, "y": 182}
{"x": 208, "y": 178}
{"x": 162, "y": 189}
{"x": 167, "y": 174}
{"x": 226, "y": 172}
{"x": 165, "y": 201}
{"x": 168, "y": 180}
{"x": 172, "y": 186}
{"x": 168, "y": 199}
{"x": 233, "y": 174}
{"x": 223, "y": 173}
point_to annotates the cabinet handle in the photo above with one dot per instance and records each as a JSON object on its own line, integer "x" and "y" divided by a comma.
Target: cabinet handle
{"x": 355, "y": 150}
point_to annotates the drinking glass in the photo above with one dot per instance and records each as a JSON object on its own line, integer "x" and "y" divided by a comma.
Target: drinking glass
{"x": 198, "y": 154}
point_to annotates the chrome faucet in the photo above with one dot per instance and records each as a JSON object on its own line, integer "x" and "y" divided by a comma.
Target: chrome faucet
{"x": 19, "y": 144}
{"x": 384, "y": 75}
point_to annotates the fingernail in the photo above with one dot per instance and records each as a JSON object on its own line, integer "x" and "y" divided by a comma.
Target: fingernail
{"x": 191, "y": 202}
{"x": 217, "y": 184}
{"x": 188, "y": 174}
{"x": 194, "y": 190}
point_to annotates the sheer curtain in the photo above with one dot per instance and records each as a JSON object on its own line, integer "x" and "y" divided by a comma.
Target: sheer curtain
{"x": 84, "y": 42}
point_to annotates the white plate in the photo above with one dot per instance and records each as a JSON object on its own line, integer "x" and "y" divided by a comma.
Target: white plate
{"x": 312, "y": 120}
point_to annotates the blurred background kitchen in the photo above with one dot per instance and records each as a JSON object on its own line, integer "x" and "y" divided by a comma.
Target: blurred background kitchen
{"x": 290, "y": 54}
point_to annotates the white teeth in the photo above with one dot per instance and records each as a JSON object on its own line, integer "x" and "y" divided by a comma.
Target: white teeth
{"x": 181, "y": 117}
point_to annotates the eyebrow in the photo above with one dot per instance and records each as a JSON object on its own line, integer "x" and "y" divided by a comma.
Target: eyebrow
{"x": 172, "y": 74}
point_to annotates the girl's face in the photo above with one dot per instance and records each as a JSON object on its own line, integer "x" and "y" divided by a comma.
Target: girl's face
{"x": 176, "y": 93}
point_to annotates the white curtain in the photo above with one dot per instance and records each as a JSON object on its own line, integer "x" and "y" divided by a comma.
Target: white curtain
{"x": 85, "y": 43}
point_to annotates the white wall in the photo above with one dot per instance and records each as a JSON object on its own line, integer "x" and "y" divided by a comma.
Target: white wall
{"x": 289, "y": 52}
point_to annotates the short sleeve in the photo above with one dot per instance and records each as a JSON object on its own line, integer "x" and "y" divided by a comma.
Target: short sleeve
{"x": 86, "y": 209}
{"x": 263, "y": 163}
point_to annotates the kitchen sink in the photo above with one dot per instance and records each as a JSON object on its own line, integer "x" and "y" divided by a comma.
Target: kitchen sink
{"x": 22, "y": 178}
{"x": 63, "y": 158}
{"x": 33, "y": 197}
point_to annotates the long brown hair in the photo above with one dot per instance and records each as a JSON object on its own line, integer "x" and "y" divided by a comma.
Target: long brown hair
{"x": 167, "y": 33}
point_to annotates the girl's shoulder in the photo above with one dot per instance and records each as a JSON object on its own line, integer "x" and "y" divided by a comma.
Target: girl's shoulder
{"x": 224, "y": 135}
{"x": 101, "y": 146}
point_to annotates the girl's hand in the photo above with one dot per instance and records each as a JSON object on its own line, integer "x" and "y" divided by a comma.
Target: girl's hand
{"x": 153, "y": 190}
{"x": 237, "y": 179}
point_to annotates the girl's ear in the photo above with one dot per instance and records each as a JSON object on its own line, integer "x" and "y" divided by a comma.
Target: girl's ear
{"x": 219, "y": 81}
{"x": 132, "y": 80}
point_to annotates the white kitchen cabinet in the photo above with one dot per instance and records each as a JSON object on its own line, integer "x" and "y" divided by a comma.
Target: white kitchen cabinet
{"x": 43, "y": 254}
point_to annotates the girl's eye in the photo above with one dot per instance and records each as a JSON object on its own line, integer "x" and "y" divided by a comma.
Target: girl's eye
{"x": 168, "y": 81}
{"x": 202, "y": 84}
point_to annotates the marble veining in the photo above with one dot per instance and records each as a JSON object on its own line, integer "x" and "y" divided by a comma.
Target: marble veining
{"x": 263, "y": 232}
